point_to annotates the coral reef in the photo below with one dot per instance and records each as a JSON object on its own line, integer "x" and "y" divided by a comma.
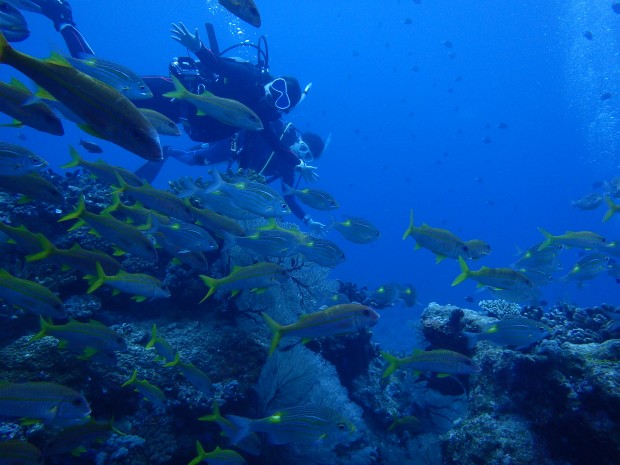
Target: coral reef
{"x": 551, "y": 402}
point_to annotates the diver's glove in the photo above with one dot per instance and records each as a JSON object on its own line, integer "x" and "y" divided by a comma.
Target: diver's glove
{"x": 307, "y": 172}
{"x": 314, "y": 225}
{"x": 185, "y": 38}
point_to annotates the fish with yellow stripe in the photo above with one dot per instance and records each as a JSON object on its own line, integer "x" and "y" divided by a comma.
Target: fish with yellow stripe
{"x": 108, "y": 113}
{"x": 15, "y": 101}
{"x": 226, "y": 110}
{"x": 443, "y": 243}
{"x": 440, "y": 361}
{"x": 125, "y": 236}
{"x": 141, "y": 285}
{"x": 338, "y": 319}
{"x": 256, "y": 277}
{"x": 497, "y": 278}
{"x": 87, "y": 338}
{"x": 30, "y": 296}
{"x": 50, "y": 403}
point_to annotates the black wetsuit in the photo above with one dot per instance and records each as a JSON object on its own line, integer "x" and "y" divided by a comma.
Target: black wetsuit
{"x": 252, "y": 152}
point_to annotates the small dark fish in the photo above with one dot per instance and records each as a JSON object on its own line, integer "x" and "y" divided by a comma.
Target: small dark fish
{"x": 486, "y": 140}
{"x": 408, "y": 21}
{"x": 90, "y": 146}
{"x": 588, "y": 35}
{"x": 606, "y": 96}
{"x": 616, "y": 8}
{"x": 502, "y": 126}
{"x": 447, "y": 44}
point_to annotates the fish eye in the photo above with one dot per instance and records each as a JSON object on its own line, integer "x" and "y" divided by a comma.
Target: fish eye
{"x": 366, "y": 312}
{"x": 77, "y": 401}
{"x": 143, "y": 88}
{"x": 5, "y": 7}
{"x": 341, "y": 426}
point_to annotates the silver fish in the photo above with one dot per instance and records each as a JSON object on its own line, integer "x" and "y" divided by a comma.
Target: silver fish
{"x": 118, "y": 76}
{"x": 16, "y": 160}
{"x": 12, "y": 22}
{"x": 303, "y": 424}
{"x": 510, "y": 332}
{"x": 254, "y": 197}
{"x": 321, "y": 251}
{"x": 50, "y": 403}
{"x": 18, "y": 101}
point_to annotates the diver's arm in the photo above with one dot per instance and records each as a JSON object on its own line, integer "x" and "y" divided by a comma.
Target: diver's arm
{"x": 207, "y": 57}
{"x": 193, "y": 43}
{"x": 284, "y": 154}
{"x": 200, "y": 156}
{"x": 60, "y": 13}
{"x": 288, "y": 178}
{"x": 77, "y": 45}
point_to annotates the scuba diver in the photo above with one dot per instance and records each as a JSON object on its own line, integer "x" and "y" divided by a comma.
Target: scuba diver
{"x": 251, "y": 84}
{"x": 278, "y": 151}
{"x": 253, "y": 154}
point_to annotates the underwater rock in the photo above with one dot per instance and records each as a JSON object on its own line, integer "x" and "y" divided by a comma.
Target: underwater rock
{"x": 491, "y": 440}
{"x": 442, "y": 325}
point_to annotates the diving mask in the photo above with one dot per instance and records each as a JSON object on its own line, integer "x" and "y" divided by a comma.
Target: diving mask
{"x": 278, "y": 91}
{"x": 301, "y": 149}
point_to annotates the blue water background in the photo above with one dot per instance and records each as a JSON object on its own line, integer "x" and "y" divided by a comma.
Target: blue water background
{"x": 408, "y": 121}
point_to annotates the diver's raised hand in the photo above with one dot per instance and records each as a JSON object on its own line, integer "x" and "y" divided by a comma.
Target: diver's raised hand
{"x": 315, "y": 226}
{"x": 307, "y": 172}
{"x": 185, "y": 38}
